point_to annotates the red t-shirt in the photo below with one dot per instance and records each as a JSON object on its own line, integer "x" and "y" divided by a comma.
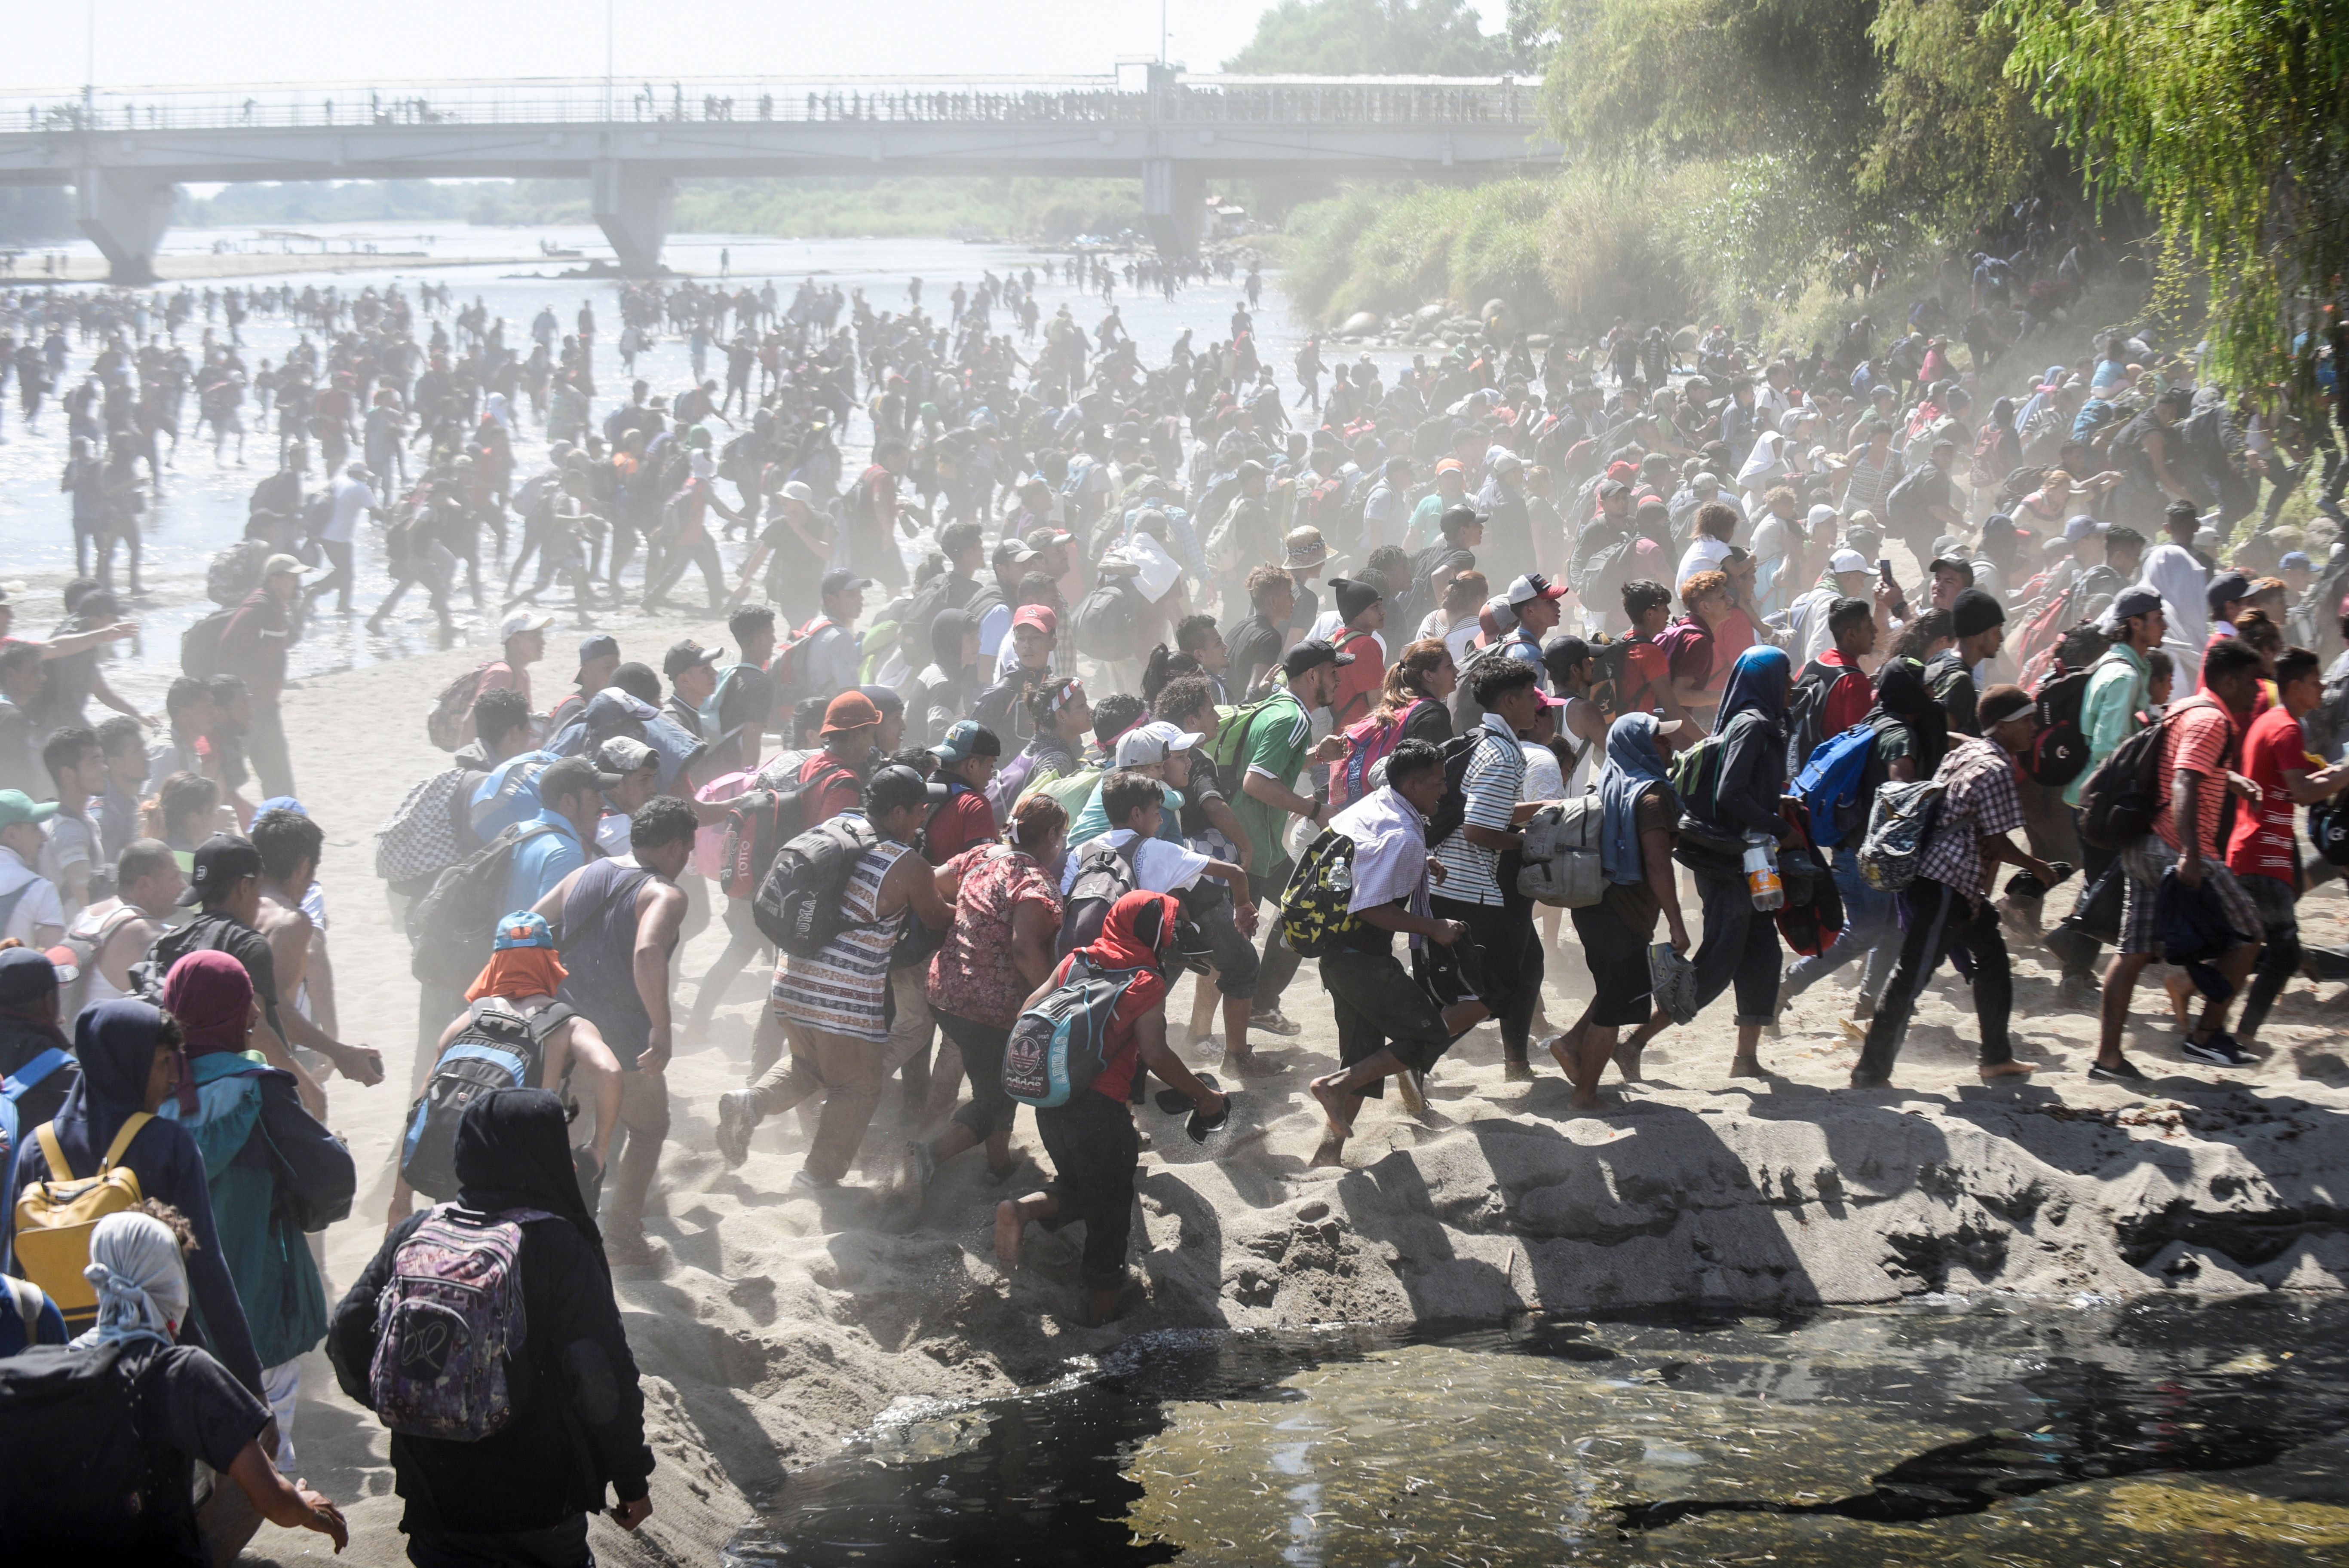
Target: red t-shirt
{"x": 1731, "y": 638}
{"x": 1849, "y": 699}
{"x": 2199, "y": 736}
{"x": 2261, "y": 844}
{"x": 962, "y": 821}
{"x": 1147, "y": 990}
{"x": 1646, "y": 668}
{"x": 840, "y": 795}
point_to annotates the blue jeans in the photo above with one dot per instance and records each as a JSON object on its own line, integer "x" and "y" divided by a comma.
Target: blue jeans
{"x": 1871, "y": 925}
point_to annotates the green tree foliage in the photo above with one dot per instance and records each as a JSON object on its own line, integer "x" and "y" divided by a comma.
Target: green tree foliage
{"x": 2231, "y": 118}
{"x": 1372, "y": 38}
{"x": 1956, "y": 136}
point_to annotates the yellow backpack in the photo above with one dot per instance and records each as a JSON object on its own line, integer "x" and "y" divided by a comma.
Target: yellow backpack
{"x": 54, "y": 1218}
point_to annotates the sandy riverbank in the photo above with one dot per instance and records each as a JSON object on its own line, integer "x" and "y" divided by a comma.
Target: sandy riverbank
{"x": 780, "y": 1323}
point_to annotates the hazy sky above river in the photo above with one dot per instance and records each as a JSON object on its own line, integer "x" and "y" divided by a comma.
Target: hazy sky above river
{"x": 154, "y": 42}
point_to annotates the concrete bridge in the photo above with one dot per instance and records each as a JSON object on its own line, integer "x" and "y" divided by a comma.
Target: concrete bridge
{"x": 123, "y": 150}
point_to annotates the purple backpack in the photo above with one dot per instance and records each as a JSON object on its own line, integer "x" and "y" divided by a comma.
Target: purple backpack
{"x": 446, "y": 1327}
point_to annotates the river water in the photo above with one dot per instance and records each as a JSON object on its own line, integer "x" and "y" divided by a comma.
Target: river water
{"x": 2047, "y": 1436}
{"x": 201, "y": 507}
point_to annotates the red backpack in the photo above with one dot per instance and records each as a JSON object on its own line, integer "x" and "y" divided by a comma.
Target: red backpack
{"x": 785, "y": 667}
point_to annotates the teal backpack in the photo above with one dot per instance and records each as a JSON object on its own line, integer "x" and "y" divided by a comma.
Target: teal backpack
{"x": 1059, "y": 1045}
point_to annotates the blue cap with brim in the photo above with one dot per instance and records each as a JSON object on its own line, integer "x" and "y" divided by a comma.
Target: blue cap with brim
{"x": 522, "y": 929}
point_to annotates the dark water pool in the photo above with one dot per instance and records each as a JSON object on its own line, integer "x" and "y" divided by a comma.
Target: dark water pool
{"x": 1988, "y": 1432}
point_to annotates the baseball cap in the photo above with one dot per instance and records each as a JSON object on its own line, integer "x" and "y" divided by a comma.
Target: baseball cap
{"x": 1821, "y": 514}
{"x": 850, "y": 710}
{"x": 797, "y": 490}
{"x": 570, "y": 777}
{"x": 1148, "y": 743}
{"x": 1012, "y": 551}
{"x": 1450, "y": 466}
{"x": 1846, "y": 560}
{"x": 1533, "y": 585}
{"x": 683, "y": 655}
{"x": 220, "y": 860}
{"x": 966, "y": 738}
{"x": 1312, "y": 654}
{"x": 602, "y": 646}
{"x": 521, "y": 929}
{"x": 840, "y": 579}
{"x": 623, "y": 755}
{"x": 1039, "y": 616}
{"x": 2136, "y": 599}
{"x": 522, "y": 621}
{"x": 897, "y": 786}
{"x": 280, "y": 561}
{"x": 2295, "y": 559}
{"x": 281, "y": 803}
{"x": 1508, "y": 463}
{"x": 16, "y": 807}
{"x": 2078, "y": 527}
{"x": 2225, "y": 588}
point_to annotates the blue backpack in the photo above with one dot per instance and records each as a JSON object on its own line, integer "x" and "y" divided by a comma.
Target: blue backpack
{"x": 31, "y": 1076}
{"x": 1059, "y": 1046}
{"x": 1829, "y": 785}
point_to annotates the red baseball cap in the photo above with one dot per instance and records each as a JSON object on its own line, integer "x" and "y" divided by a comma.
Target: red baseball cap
{"x": 1039, "y": 616}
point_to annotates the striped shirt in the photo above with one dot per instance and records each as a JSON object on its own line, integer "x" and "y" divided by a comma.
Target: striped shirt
{"x": 844, "y": 989}
{"x": 1494, "y": 780}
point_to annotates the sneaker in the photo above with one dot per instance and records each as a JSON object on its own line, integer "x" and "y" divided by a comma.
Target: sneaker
{"x": 2219, "y": 1051}
{"x": 737, "y": 1113}
{"x": 2122, "y": 1071}
{"x": 1273, "y": 1022}
{"x": 806, "y": 1181}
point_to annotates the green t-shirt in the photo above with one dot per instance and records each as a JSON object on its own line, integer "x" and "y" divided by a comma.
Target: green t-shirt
{"x": 1279, "y": 734}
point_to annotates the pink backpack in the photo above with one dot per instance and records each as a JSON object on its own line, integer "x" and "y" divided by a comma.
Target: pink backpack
{"x": 709, "y": 839}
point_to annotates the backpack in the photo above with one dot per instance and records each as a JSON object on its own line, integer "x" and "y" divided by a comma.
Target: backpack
{"x": 1452, "y": 810}
{"x": 1105, "y": 874}
{"x": 1680, "y": 638}
{"x": 798, "y": 905}
{"x": 1369, "y": 742}
{"x": 450, "y": 927}
{"x": 1561, "y": 861}
{"x": 2123, "y": 798}
{"x": 200, "y": 646}
{"x": 2328, "y": 830}
{"x": 1363, "y": 647}
{"x": 1831, "y": 783}
{"x": 85, "y": 944}
{"x": 1059, "y": 1047}
{"x": 2045, "y": 631}
{"x": 235, "y": 572}
{"x": 54, "y": 1218}
{"x": 1109, "y": 622}
{"x": 420, "y": 838}
{"x": 1806, "y": 713}
{"x": 1223, "y": 543}
{"x": 2060, "y": 751}
{"x": 1898, "y": 826}
{"x": 450, "y": 724}
{"x": 447, "y": 1324}
{"x": 16, "y": 1086}
{"x": 1904, "y": 508}
{"x": 1314, "y": 918}
{"x": 500, "y": 1048}
{"x": 69, "y": 1428}
{"x": 759, "y": 823}
{"x": 1231, "y": 736}
{"x": 785, "y": 667}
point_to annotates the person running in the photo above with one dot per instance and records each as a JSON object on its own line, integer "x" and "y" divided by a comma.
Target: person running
{"x": 1389, "y": 1024}
{"x": 522, "y": 1494}
{"x": 1092, "y": 1141}
{"x": 620, "y": 924}
{"x": 833, "y": 1005}
{"x": 1273, "y": 744}
{"x": 2262, "y": 850}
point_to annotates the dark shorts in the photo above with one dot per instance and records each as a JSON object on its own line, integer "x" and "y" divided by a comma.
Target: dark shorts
{"x": 1619, "y": 968}
{"x": 1380, "y": 1006}
{"x": 1234, "y": 956}
{"x": 990, "y": 1110}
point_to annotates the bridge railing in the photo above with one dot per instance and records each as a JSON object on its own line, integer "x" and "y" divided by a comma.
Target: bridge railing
{"x": 1204, "y": 100}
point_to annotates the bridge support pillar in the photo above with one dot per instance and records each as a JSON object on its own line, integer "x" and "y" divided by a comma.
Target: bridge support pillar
{"x": 632, "y": 205}
{"x": 1174, "y": 207}
{"x": 125, "y": 212}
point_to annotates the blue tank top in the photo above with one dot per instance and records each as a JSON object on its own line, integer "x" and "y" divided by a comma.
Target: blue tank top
{"x": 599, "y": 949}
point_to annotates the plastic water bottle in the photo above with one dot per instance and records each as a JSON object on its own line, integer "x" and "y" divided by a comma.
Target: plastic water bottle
{"x": 1339, "y": 878}
{"x": 1762, "y": 873}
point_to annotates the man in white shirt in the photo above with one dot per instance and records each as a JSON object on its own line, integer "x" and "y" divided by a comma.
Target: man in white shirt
{"x": 351, "y": 498}
{"x": 1808, "y": 636}
{"x": 1386, "y": 511}
{"x": 30, "y": 910}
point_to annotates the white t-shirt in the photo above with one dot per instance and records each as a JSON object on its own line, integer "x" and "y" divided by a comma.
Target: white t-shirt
{"x": 1705, "y": 552}
{"x": 1158, "y": 866}
{"x": 72, "y": 841}
{"x": 351, "y": 497}
{"x": 1545, "y": 780}
{"x": 1456, "y": 636}
{"x": 38, "y": 905}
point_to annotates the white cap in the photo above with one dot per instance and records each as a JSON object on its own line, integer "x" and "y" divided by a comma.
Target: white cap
{"x": 1823, "y": 513}
{"x": 522, "y": 621}
{"x": 1148, "y": 743}
{"x": 797, "y": 490}
{"x": 1844, "y": 561}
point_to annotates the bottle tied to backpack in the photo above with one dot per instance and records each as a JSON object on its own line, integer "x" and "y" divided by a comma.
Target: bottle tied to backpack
{"x": 1763, "y": 883}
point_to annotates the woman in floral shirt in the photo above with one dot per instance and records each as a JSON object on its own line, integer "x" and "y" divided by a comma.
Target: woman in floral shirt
{"x": 1007, "y": 914}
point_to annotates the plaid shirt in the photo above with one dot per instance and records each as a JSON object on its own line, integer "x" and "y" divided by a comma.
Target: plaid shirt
{"x": 1979, "y": 801}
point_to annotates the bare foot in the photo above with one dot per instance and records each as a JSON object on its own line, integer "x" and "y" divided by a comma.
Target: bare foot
{"x": 1333, "y": 1104}
{"x": 1009, "y": 1225}
{"x": 1627, "y": 1062}
{"x": 1746, "y": 1066}
{"x": 1103, "y": 1305}
{"x": 1330, "y": 1151}
{"x": 2008, "y": 1069}
{"x": 1563, "y": 1050}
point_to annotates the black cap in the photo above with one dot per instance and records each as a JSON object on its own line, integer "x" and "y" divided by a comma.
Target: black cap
{"x": 221, "y": 860}
{"x": 571, "y": 776}
{"x": 601, "y": 645}
{"x": 1458, "y": 518}
{"x": 897, "y": 786}
{"x": 2225, "y": 588}
{"x": 840, "y": 579}
{"x": 682, "y": 656}
{"x": 1312, "y": 654}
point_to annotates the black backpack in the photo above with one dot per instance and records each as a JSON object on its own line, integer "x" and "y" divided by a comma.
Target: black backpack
{"x": 1109, "y": 620}
{"x": 1452, "y": 810}
{"x": 1904, "y": 508}
{"x": 1806, "y": 713}
{"x": 82, "y": 1483}
{"x": 798, "y": 906}
{"x": 2060, "y": 751}
{"x": 2328, "y": 830}
{"x": 500, "y": 1048}
{"x": 1105, "y": 874}
{"x": 450, "y": 927}
{"x": 2123, "y": 798}
{"x": 200, "y": 645}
